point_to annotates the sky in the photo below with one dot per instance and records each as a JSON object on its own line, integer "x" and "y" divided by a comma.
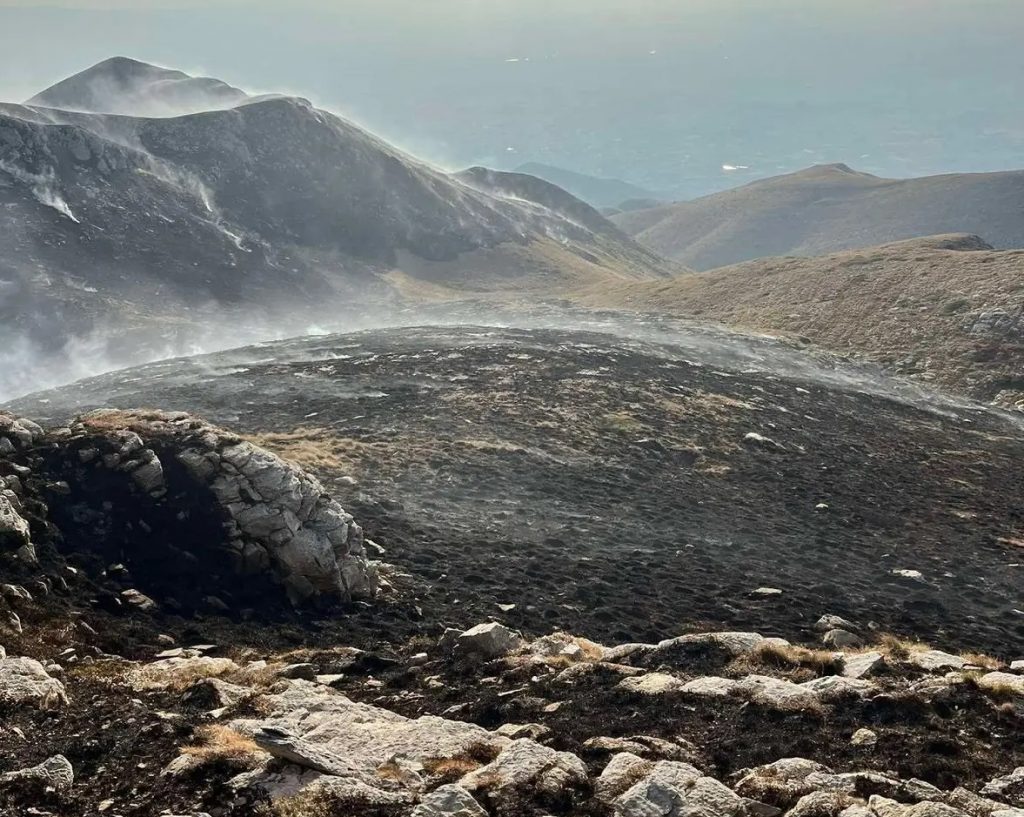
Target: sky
{"x": 664, "y": 93}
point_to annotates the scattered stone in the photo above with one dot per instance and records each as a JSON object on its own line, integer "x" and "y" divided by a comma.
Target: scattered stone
{"x": 491, "y": 640}
{"x": 14, "y": 529}
{"x": 759, "y": 440}
{"x": 821, "y": 804}
{"x": 766, "y": 591}
{"x": 678, "y": 789}
{"x": 1017, "y": 666}
{"x": 832, "y": 622}
{"x": 140, "y": 601}
{"x": 864, "y": 737}
{"x": 913, "y": 575}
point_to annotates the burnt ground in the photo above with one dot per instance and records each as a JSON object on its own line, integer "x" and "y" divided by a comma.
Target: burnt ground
{"x": 605, "y": 485}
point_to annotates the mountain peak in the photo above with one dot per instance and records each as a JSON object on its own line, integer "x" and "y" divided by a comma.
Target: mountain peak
{"x": 122, "y": 85}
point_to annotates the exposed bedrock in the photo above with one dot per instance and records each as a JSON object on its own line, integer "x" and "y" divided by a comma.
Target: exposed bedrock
{"x": 189, "y": 511}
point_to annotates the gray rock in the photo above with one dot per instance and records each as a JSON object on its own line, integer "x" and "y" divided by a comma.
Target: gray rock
{"x": 835, "y": 687}
{"x": 288, "y": 746}
{"x": 140, "y": 601}
{"x": 652, "y": 683}
{"x": 53, "y": 774}
{"x": 1017, "y": 666}
{"x": 821, "y": 804}
{"x": 973, "y": 804}
{"x": 491, "y": 640}
{"x": 711, "y": 687}
{"x": 304, "y": 671}
{"x": 14, "y": 529}
{"x": 776, "y": 693}
{"x": 1009, "y": 787}
{"x": 1003, "y": 683}
{"x": 449, "y": 801}
{"x": 863, "y": 665}
{"x": 623, "y": 771}
{"x": 831, "y": 622}
{"x": 24, "y": 681}
{"x": 841, "y": 639}
{"x": 864, "y": 737}
{"x": 935, "y": 660}
{"x": 673, "y": 790}
{"x": 527, "y": 765}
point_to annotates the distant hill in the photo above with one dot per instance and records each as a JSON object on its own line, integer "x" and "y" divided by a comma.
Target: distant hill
{"x": 594, "y": 190}
{"x": 828, "y": 208}
{"x": 271, "y": 207}
{"x": 945, "y": 309}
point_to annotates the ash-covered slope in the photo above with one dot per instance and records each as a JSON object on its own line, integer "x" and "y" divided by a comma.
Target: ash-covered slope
{"x": 274, "y": 207}
{"x": 829, "y": 208}
{"x": 620, "y": 488}
{"x": 120, "y": 85}
{"x": 944, "y": 309}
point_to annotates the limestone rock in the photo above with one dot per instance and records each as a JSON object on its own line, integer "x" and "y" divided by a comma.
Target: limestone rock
{"x": 491, "y": 640}
{"x": 863, "y": 665}
{"x": 53, "y": 774}
{"x": 14, "y": 529}
{"x": 1009, "y": 787}
{"x": 362, "y": 735}
{"x": 832, "y": 622}
{"x": 841, "y": 639}
{"x": 821, "y": 804}
{"x": 973, "y": 804}
{"x": 675, "y": 789}
{"x": 527, "y": 765}
{"x": 652, "y": 683}
{"x": 782, "y": 782}
{"x": 835, "y": 687}
{"x": 179, "y": 672}
{"x": 621, "y": 773}
{"x": 711, "y": 687}
{"x": 1002, "y": 682}
{"x": 776, "y": 693}
{"x": 864, "y": 737}
{"x": 449, "y": 801}
{"x": 935, "y": 660}
{"x": 23, "y": 681}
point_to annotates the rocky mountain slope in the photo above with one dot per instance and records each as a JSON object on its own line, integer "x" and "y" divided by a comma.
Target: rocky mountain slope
{"x": 601, "y": 577}
{"x": 946, "y": 310}
{"x": 829, "y": 208}
{"x": 270, "y": 212}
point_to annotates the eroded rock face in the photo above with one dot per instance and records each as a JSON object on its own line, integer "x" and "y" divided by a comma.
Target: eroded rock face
{"x": 193, "y": 512}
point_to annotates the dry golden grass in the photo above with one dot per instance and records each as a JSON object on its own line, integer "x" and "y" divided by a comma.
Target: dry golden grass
{"x": 308, "y": 803}
{"x": 888, "y": 304}
{"x": 215, "y": 743}
{"x": 897, "y": 647}
{"x": 316, "y": 448}
{"x": 981, "y": 660}
{"x": 788, "y": 656}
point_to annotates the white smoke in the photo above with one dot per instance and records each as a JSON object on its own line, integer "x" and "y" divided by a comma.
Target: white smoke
{"x": 43, "y": 187}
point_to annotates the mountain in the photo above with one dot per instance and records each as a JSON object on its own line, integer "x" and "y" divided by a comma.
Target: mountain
{"x": 828, "y": 208}
{"x": 946, "y": 310}
{"x": 121, "y": 85}
{"x": 286, "y": 214}
{"x": 595, "y": 190}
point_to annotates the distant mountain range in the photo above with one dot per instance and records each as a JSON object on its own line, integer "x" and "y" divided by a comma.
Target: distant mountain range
{"x": 597, "y": 191}
{"x": 828, "y": 208}
{"x": 948, "y": 310}
{"x": 123, "y": 212}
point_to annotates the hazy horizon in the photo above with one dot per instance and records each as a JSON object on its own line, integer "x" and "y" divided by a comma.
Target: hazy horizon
{"x": 662, "y": 94}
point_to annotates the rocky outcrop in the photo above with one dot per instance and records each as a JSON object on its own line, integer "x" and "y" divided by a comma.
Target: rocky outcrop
{"x": 193, "y": 514}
